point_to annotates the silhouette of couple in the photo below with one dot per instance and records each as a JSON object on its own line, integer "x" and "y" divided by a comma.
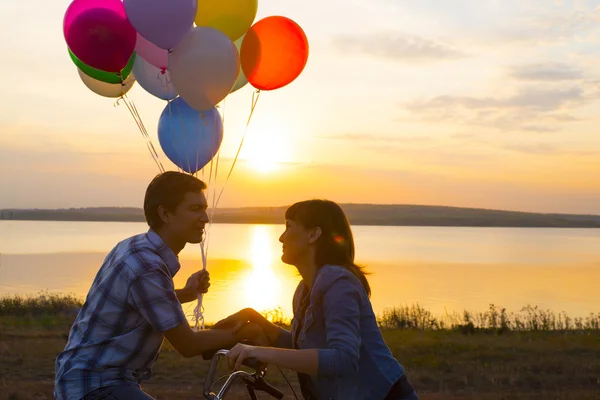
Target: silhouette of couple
{"x": 334, "y": 344}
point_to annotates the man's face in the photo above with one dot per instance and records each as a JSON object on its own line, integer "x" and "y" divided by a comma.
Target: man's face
{"x": 187, "y": 221}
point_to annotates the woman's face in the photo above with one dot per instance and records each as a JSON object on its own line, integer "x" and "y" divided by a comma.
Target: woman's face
{"x": 296, "y": 241}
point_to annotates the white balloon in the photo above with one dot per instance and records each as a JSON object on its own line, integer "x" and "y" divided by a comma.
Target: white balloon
{"x": 112, "y": 90}
{"x": 153, "y": 80}
{"x": 204, "y": 67}
{"x": 241, "y": 80}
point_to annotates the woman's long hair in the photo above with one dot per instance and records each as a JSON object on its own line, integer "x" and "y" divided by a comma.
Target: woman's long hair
{"x": 335, "y": 246}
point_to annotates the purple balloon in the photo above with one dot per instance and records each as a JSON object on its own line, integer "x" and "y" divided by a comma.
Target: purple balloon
{"x": 99, "y": 33}
{"x": 163, "y": 23}
{"x": 152, "y": 54}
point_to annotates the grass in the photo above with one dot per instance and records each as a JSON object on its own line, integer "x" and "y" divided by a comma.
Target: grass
{"x": 42, "y": 304}
{"x": 532, "y": 354}
{"x": 494, "y": 320}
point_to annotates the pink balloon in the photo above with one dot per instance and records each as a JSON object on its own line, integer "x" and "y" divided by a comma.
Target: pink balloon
{"x": 151, "y": 53}
{"x": 99, "y": 33}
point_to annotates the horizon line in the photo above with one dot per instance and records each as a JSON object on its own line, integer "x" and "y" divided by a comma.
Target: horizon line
{"x": 287, "y": 205}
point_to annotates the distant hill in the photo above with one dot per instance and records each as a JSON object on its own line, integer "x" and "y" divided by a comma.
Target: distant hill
{"x": 358, "y": 214}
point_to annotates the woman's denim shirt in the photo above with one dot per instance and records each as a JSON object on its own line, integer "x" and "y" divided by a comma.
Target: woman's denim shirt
{"x": 354, "y": 361}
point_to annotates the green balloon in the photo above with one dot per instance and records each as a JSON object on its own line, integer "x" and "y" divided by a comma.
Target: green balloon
{"x": 108, "y": 77}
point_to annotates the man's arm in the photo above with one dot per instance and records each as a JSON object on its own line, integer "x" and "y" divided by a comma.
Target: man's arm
{"x": 185, "y": 296}
{"x": 190, "y": 344}
{"x": 153, "y": 296}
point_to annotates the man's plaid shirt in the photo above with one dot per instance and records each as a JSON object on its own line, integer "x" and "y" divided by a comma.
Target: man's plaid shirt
{"x": 118, "y": 333}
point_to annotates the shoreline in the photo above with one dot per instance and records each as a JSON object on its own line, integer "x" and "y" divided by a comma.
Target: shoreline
{"x": 358, "y": 215}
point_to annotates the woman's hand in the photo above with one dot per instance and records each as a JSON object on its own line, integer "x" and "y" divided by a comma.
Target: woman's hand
{"x": 246, "y": 316}
{"x": 252, "y": 333}
{"x": 240, "y": 318}
{"x": 241, "y": 352}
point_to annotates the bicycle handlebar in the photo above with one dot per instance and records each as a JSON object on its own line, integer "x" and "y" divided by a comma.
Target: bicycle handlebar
{"x": 254, "y": 381}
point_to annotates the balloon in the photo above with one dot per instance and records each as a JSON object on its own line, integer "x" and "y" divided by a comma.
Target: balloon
{"x": 274, "y": 53}
{"x": 241, "y": 79}
{"x": 189, "y": 138}
{"x": 204, "y": 67}
{"x": 103, "y": 76}
{"x": 155, "y": 81}
{"x": 232, "y": 17}
{"x": 112, "y": 90}
{"x": 99, "y": 34}
{"x": 151, "y": 53}
{"x": 164, "y": 23}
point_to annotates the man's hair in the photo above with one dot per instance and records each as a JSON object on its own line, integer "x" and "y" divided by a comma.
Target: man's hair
{"x": 168, "y": 190}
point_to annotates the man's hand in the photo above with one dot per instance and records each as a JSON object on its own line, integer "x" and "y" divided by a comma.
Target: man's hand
{"x": 239, "y": 319}
{"x": 249, "y": 316}
{"x": 197, "y": 283}
{"x": 252, "y": 333}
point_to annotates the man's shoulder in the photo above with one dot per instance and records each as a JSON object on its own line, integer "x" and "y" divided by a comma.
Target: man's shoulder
{"x": 138, "y": 254}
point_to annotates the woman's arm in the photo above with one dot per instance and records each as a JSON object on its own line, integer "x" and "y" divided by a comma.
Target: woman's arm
{"x": 341, "y": 306}
{"x": 303, "y": 361}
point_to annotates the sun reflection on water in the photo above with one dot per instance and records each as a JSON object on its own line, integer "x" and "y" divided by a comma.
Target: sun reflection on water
{"x": 262, "y": 287}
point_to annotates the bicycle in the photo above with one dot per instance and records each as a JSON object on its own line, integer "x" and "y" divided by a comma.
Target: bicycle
{"x": 254, "y": 381}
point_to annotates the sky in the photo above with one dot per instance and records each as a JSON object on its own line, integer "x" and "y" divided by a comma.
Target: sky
{"x": 470, "y": 103}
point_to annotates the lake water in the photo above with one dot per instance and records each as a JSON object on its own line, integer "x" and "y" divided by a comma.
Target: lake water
{"x": 443, "y": 269}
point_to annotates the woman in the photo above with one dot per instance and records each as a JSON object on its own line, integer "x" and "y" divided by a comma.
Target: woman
{"x": 335, "y": 344}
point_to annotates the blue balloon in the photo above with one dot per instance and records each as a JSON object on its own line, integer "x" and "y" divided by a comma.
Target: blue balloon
{"x": 189, "y": 138}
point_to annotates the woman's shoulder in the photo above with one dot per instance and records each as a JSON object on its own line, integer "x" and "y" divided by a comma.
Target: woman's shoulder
{"x": 330, "y": 275}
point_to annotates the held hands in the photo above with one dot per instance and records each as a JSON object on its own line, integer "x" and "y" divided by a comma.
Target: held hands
{"x": 247, "y": 326}
{"x": 239, "y": 319}
{"x": 251, "y": 333}
{"x": 236, "y": 321}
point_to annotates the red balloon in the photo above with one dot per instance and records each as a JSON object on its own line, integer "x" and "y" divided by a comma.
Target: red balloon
{"x": 99, "y": 33}
{"x": 274, "y": 53}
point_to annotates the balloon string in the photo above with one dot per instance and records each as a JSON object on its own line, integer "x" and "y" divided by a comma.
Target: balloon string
{"x": 147, "y": 135}
{"x": 143, "y": 131}
{"x": 255, "y": 97}
{"x": 199, "y": 310}
{"x": 133, "y": 109}
{"x": 214, "y": 183}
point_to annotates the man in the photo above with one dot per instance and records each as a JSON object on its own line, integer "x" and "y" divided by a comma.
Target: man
{"x": 132, "y": 304}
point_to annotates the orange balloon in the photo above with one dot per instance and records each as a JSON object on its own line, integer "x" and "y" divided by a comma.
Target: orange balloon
{"x": 274, "y": 53}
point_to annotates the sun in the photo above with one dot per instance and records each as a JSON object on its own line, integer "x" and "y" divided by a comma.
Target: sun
{"x": 266, "y": 149}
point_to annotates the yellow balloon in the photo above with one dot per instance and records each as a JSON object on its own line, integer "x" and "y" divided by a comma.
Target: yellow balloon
{"x": 232, "y": 17}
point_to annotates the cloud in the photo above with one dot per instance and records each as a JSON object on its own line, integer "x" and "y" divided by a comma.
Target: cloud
{"x": 551, "y": 71}
{"x": 462, "y": 140}
{"x": 397, "y": 46}
{"x": 529, "y": 98}
{"x": 370, "y": 138}
{"x": 541, "y": 149}
{"x": 530, "y": 109}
